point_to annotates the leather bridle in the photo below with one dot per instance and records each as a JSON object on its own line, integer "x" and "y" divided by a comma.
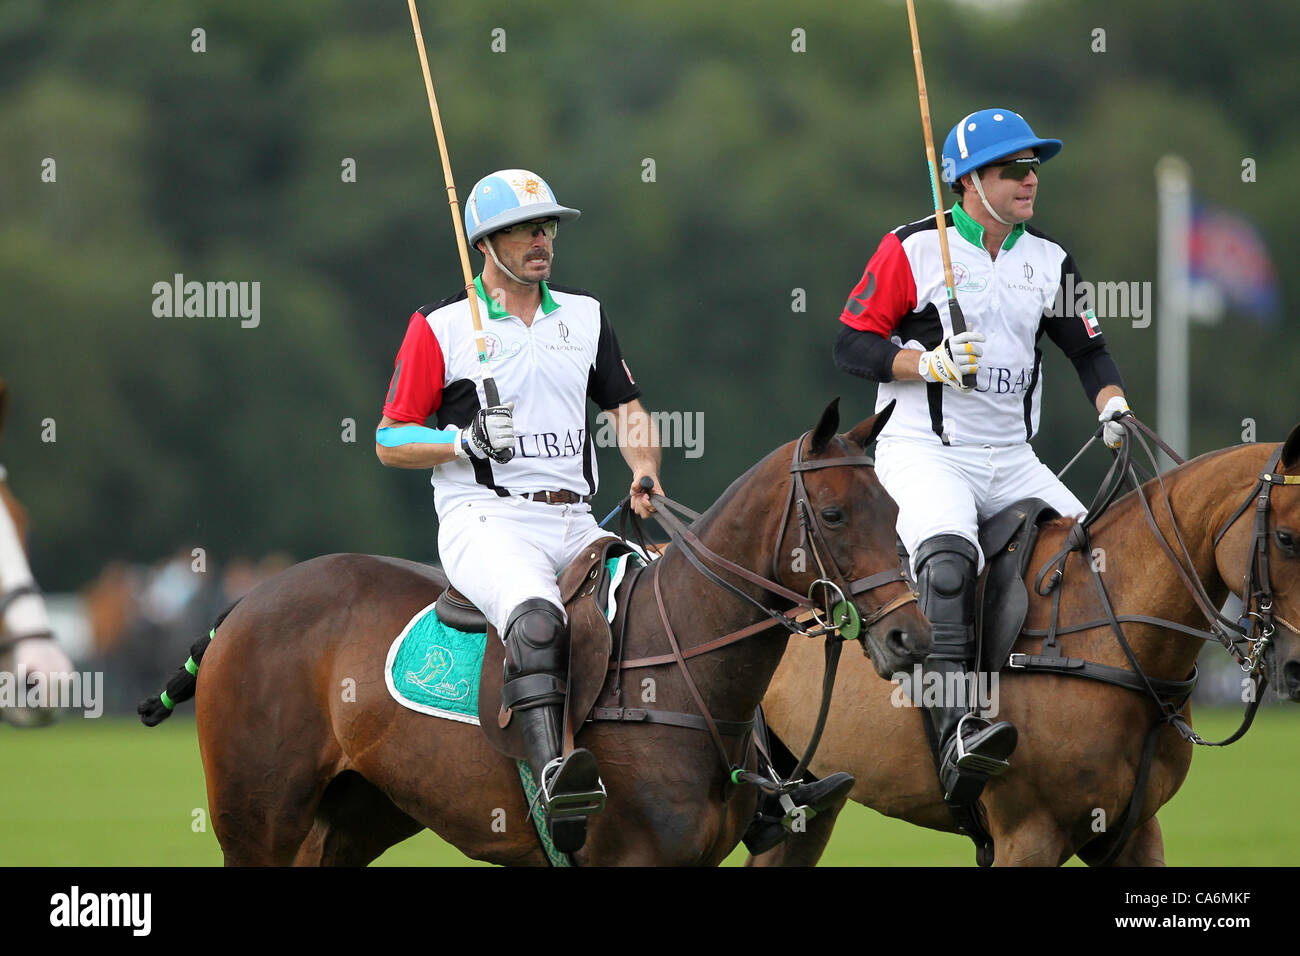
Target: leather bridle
{"x": 1256, "y": 627}
{"x": 840, "y": 616}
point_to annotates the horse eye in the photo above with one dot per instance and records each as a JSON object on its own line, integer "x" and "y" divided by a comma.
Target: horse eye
{"x": 1286, "y": 541}
{"x": 832, "y": 515}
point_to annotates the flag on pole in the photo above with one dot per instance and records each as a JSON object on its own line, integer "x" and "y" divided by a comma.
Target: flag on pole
{"x": 1229, "y": 266}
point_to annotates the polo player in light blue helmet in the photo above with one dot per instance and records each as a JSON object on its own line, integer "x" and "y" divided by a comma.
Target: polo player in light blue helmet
{"x": 508, "y": 198}
{"x": 513, "y": 480}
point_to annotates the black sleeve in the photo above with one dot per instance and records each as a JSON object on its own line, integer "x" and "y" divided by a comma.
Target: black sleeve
{"x": 1077, "y": 333}
{"x": 609, "y": 383}
{"x": 865, "y": 354}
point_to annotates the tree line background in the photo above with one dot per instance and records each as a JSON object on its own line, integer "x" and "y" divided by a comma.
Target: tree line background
{"x": 775, "y": 170}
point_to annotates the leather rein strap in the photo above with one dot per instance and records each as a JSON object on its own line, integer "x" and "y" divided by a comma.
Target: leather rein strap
{"x": 1169, "y": 696}
{"x": 804, "y": 610}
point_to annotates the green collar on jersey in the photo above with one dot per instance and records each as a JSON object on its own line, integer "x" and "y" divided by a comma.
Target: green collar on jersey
{"x": 973, "y": 232}
{"x": 495, "y": 311}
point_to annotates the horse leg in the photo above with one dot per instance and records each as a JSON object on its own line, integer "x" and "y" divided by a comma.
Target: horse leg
{"x": 267, "y": 754}
{"x": 1145, "y": 847}
{"x": 1035, "y": 840}
{"x": 355, "y": 823}
{"x": 806, "y": 848}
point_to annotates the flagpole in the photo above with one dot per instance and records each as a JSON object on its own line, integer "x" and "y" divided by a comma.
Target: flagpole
{"x": 1174, "y": 189}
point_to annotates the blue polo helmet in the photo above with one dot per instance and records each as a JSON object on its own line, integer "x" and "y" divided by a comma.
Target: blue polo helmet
{"x": 509, "y": 196}
{"x": 986, "y": 136}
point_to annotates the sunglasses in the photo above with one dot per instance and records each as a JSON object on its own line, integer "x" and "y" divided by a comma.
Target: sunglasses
{"x": 548, "y": 226}
{"x": 1016, "y": 169}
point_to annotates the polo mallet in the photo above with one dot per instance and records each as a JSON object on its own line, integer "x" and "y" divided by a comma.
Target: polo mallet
{"x": 489, "y": 385}
{"x": 954, "y": 310}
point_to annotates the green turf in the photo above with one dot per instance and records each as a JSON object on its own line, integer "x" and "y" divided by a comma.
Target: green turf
{"x": 113, "y": 793}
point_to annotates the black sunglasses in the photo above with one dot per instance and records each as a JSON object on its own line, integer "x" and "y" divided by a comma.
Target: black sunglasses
{"x": 1016, "y": 169}
{"x": 532, "y": 227}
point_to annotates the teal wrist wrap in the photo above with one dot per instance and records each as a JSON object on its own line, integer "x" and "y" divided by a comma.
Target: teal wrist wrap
{"x": 409, "y": 434}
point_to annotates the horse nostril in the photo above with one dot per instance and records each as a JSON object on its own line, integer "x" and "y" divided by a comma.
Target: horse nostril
{"x": 1291, "y": 675}
{"x": 897, "y": 643}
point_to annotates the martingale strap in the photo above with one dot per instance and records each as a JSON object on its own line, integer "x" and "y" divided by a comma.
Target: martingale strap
{"x": 1169, "y": 695}
{"x": 795, "y": 619}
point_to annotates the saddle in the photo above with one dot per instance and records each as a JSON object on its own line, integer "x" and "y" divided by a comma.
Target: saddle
{"x": 1002, "y": 600}
{"x": 584, "y": 590}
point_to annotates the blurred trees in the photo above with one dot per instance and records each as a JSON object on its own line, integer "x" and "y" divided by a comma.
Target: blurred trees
{"x": 774, "y": 171}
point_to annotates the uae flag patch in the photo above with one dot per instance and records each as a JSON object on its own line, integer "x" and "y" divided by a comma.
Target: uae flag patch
{"x": 1090, "y": 323}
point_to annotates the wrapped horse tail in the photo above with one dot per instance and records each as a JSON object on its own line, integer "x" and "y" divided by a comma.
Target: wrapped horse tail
{"x": 154, "y": 710}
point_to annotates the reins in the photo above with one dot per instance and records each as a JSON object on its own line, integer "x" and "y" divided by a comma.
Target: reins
{"x": 1169, "y": 696}
{"x": 840, "y": 621}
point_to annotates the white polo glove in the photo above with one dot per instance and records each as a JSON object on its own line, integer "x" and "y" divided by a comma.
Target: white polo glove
{"x": 491, "y": 435}
{"x": 1110, "y": 414}
{"x": 955, "y": 356}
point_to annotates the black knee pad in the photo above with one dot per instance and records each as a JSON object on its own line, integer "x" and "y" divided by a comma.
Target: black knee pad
{"x": 945, "y": 580}
{"x": 536, "y": 639}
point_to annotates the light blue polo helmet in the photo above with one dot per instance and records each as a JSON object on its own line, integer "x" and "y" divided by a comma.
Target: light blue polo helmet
{"x": 986, "y": 136}
{"x": 509, "y": 196}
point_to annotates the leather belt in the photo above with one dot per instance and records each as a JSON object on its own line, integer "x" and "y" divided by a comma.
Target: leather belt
{"x": 557, "y": 497}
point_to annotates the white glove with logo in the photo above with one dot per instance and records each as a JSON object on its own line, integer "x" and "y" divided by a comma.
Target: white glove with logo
{"x": 1110, "y": 414}
{"x": 492, "y": 434}
{"x": 955, "y": 356}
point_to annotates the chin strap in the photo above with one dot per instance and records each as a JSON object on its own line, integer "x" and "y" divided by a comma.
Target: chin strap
{"x": 493, "y": 253}
{"x": 975, "y": 178}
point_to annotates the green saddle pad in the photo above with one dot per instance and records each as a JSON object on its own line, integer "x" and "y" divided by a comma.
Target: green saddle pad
{"x": 434, "y": 668}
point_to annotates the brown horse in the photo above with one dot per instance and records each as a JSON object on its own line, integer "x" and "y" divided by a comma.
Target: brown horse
{"x": 28, "y": 653}
{"x": 1080, "y": 740}
{"x": 300, "y": 770}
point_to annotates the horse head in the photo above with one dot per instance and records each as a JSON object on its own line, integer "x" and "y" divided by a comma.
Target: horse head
{"x": 22, "y": 613}
{"x": 1282, "y": 657}
{"x": 1277, "y": 576}
{"x": 849, "y": 513}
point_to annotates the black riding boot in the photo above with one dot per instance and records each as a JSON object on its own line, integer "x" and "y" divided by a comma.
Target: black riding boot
{"x": 971, "y": 748}
{"x": 534, "y": 689}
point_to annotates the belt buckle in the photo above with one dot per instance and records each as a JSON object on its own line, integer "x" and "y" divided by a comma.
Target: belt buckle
{"x": 550, "y": 498}
{"x": 1017, "y": 665}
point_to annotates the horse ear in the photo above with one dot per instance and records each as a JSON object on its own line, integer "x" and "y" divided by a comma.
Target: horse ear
{"x": 1291, "y": 449}
{"x": 865, "y": 433}
{"x": 826, "y": 428}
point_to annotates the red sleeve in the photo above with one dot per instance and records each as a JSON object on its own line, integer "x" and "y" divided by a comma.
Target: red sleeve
{"x": 885, "y": 293}
{"x": 415, "y": 390}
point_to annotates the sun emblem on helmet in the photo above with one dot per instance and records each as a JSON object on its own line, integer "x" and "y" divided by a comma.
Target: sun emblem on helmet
{"x": 531, "y": 188}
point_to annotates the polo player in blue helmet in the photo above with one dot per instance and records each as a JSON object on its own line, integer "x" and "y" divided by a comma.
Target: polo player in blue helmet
{"x": 952, "y": 456}
{"x": 513, "y": 482}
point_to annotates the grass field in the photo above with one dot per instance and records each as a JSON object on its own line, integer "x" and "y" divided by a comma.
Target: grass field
{"x": 113, "y": 793}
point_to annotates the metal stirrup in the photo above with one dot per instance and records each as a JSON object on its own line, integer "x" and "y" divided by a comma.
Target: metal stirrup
{"x": 561, "y": 806}
{"x": 971, "y": 760}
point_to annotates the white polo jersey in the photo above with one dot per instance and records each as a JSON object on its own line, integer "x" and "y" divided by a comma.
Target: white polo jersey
{"x": 549, "y": 370}
{"x": 1012, "y": 300}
